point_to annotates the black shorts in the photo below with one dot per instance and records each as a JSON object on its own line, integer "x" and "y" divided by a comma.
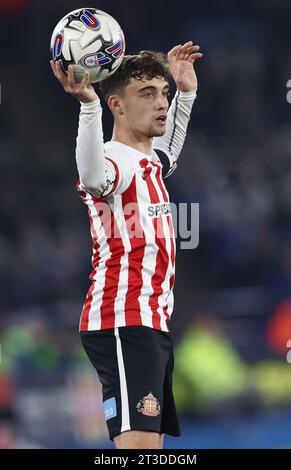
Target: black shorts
{"x": 135, "y": 366}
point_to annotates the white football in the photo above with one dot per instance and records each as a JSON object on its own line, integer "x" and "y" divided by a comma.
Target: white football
{"x": 90, "y": 40}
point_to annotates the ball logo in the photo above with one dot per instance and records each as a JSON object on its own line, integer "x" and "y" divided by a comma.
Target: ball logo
{"x": 116, "y": 49}
{"x": 90, "y": 20}
{"x": 58, "y": 45}
{"x": 95, "y": 60}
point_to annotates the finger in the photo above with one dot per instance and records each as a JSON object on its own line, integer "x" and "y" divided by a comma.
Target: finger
{"x": 186, "y": 45}
{"x": 184, "y": 55}
{"x": 185, "y": 52}
{"x": 71, "y": 76}
{"x": 53, "y": 67}
{"x": 174, "y": 50}
{"x": 189, "y": 48}
{"x": 60, "y": 74}
{"x": 192, "y": 49}
{"x": 85, "y": 81}
{"x": 195, "y": 56}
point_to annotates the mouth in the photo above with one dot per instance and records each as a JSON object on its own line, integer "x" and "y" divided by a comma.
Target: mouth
{"x": 161, "y": 119}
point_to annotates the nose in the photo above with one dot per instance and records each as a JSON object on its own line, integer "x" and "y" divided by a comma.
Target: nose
{"x": 162, "y": 102}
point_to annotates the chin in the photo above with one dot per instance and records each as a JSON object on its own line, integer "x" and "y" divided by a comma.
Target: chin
{"x": 157, "y": 132}
{"x": 161, "y": 132}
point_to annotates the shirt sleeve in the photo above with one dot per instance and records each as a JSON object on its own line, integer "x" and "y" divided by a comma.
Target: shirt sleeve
{"x": 98, "y": 174}
{"x": 168, "y": 147}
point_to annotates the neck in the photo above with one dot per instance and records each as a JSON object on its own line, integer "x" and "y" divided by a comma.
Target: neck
{"x": 139, "y": 142}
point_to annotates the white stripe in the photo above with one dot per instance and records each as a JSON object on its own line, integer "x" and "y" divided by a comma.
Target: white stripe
{"x": 125, "y": 420}
{"x": 94, "y": 318}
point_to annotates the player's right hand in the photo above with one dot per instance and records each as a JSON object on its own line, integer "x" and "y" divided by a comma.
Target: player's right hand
{"x": 83, "y": 92}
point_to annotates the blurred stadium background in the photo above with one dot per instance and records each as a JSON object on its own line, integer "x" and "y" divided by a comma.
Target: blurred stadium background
{"x": 232, "y": 314}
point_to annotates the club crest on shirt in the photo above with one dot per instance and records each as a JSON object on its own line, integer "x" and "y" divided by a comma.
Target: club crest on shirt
{"x": 147, "y": 167}
{"x": 148, "y": 406}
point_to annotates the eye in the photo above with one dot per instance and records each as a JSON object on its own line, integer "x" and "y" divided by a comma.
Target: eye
{"x": 166, "y": 93}
{"x": 148, "y": 94}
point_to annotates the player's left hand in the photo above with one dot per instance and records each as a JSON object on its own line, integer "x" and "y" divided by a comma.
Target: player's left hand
{"x": 181, "y": 62}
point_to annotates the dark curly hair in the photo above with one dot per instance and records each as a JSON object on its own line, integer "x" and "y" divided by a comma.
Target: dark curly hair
{"x": 147, "y": 63}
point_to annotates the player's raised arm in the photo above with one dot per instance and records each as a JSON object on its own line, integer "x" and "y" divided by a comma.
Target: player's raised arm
{"x": 181, "y": 61}
{"x": 96, "y": 173}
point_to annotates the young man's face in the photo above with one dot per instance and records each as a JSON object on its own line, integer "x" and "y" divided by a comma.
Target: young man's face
{"x": 145, "y": 104}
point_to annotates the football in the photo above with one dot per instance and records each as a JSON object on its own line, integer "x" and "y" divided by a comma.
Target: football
{"x": 90, "y": 40}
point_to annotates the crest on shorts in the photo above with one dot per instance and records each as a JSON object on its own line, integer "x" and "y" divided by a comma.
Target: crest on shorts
{"x": 148, "y": 406}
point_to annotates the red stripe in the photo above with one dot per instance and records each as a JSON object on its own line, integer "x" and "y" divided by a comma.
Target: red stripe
{"x": 162, "y": 259}
{"x": 113, "y": 265}
{"x": 86, "y": 309}
{"x": 135, "y": 258}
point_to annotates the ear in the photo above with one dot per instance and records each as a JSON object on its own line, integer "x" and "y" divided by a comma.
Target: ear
{"x": 115, "y": 104}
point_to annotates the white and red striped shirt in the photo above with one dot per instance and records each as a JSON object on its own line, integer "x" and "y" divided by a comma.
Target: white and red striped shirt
{"x": 133, "y": 243}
